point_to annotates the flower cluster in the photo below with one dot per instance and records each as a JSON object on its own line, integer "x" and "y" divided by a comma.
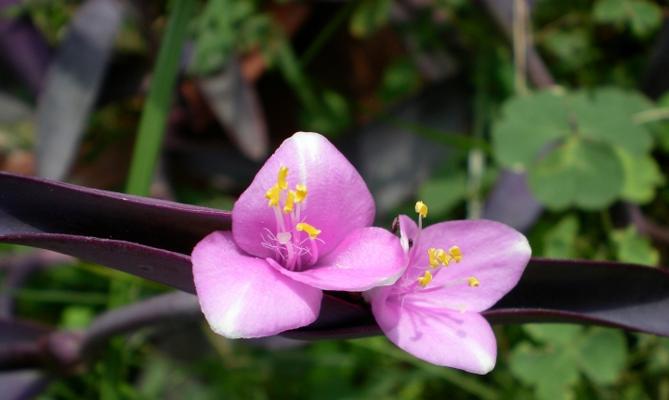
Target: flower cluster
{"x": 304, "y": 225}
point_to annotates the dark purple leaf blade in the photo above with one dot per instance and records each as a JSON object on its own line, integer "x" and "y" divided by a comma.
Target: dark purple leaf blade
{"x": 163, "y": 266}
{"x": 38, "y": 206}
{"x": 236, "y": 105}
{"x": 72, "y": 84}
{"x": 23, "y": 48}
{"x": 511, "y": 202}
{"x": 152, "y": 239}
{"x": 612, "y": 294}
{"x": 620, "y": 295}
{"x": 23, "y": 384}
{"x": 146, "y": 237}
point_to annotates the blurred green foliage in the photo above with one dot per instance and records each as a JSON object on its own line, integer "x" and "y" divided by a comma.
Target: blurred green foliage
{"x": 591, "y": 143}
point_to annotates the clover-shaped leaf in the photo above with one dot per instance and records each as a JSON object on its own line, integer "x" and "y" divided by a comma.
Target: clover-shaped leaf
{"x": 587, "y": 174}
{"x": 607, "y": 115}
{"x": 643, "y": 17}
{"x": 577, "y": 147}
{"x": 566, "y": 351}
{"x": 642, "y": 176}
{"x": 559, "y": 241}
{"x": 634, "y": 248}
{"x": 602, "y": 355}
{"x": 528, "y": 124}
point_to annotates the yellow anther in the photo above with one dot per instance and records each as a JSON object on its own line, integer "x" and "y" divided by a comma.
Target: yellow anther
{"x": 473, "y": 282}
{"x": 425, "y": 279}
{"x": 282, "y": 179}
{"x": 444, "y": 258}
{"x": 290, "y": 201}
{"x": 456, "y": 253}
{"x": 438, "y": 256}
{"x": 421, "y": 209}
{"x": 432, "y": 255}
{"x": 273, "y": 195}
{"x": 300, "y": 193}
{"x": 309, "y": 229}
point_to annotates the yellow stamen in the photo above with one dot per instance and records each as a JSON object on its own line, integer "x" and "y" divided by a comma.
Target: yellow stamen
{"x": 309, "y": 229}
{"x": 300, "y": 193}
{"x": 281, "y": 180}
{"x": 456, "y": 253}
{"x": 473, "y": 282}
{"x": 438, "y": 256}
{"x": 425, "y": 279}
{"x": 421, "y": 209}
{"x": 290, "y": 201}
{"x": 273, "y": 195}
{"x": 432, "y": 255}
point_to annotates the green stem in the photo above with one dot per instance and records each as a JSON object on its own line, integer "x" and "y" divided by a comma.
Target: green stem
{"x": 154, "y": 115}
{"x": 291, "y": 69}
{"x": 326, "y": 33}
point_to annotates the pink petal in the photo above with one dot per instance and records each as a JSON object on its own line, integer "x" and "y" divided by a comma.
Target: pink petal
{"x": 366, "y": 258}
{"x": 493, "y": 253}
{"x": 337, "y": 202}
{"x": 243, "y": 297}
{"x": 442, "y": 337}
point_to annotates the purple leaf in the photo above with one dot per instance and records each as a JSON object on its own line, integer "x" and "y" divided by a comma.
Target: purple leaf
{"x": 12, "y": 331}
{"x": 152, "y": 238}
{"x": 146, "y": 237}
{"x": 511, "y": 202}
{"x": 72, "y": 84}
{"x": 23, "y": 48}
{"x": 612, "y": 294}
{"x": 236, "y": 105}
{"x": 22, "y": 385}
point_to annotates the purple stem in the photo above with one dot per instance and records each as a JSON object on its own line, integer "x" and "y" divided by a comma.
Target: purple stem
{"x": 18, "y": 269}
{"x": 645, "y": 226}
{"x": 502, "y": 13}
{"x": 169, "y": 308}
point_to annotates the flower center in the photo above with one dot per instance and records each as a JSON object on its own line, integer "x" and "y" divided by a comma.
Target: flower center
{"x": 438, "y": 258}
{"x": 294, "y": 241}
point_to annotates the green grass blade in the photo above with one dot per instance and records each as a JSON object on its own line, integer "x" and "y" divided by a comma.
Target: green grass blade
{"x": 154, "y": 115}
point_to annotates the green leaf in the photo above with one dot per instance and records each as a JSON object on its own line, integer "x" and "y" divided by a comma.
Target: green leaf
{"x": 444, "y": 192}
{"x": 641, "y": 16}
{"x": 76, "y": 317}
{"x": 399, "y": 79}
{"x": 606, "y": 114}
{"x": 580, "y": 173}
{"x": 642, "y": 176}
{"x": 660, "y": 129}
{"x": 634, "y": 248}
{"x": 223, "y": 27}
{"x": 572, "y": 47}
{"x": 559, "y": 241}
{"x": 550, "y": 371}
{"x": 602, "y": 355}
{"x": 561, "y": 334}
{"x": 154, "y": 114}
{"x": 369, "y": 16}
{"x": 528, "y": 124}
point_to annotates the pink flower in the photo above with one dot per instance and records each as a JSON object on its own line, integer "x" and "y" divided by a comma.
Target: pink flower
{"x": 303, "y": 226}
{"x": 456, "y": 270}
